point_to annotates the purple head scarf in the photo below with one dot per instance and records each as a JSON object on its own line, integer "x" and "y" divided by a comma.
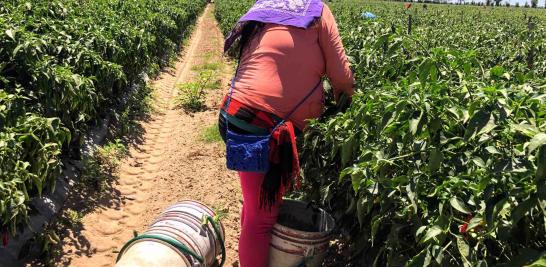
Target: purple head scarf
{"x": 297, "y": 13}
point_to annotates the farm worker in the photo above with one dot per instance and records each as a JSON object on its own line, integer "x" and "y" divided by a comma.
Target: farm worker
{"x": 286, "y": 47}
{"x": 368, "y": 15}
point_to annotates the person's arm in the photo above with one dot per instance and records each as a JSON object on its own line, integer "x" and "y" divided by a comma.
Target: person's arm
{"x": 337, "y": 65}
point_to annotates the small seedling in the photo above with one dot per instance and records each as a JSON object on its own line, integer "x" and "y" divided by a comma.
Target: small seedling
{"x": 211, "y": 134}
{"x": 192, "y": 96}
{"x": 100, "y": 166}
{"x": 73, "y": 217}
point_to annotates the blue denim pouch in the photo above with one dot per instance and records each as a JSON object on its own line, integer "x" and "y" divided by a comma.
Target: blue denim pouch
{"x": 247, "y": 153}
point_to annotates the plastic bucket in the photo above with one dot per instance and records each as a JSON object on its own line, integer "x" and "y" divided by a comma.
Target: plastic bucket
{"x": 152, "y": 253}
{"x": 184, "y": 223}
{"x": 302, "y": 235}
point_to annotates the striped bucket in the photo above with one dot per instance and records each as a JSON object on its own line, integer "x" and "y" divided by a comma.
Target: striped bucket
{"x": 301, "y": 236}
{"x": 183, "y": 222}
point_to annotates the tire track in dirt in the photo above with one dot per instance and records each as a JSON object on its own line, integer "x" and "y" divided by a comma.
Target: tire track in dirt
{"x": 171, "y": 164}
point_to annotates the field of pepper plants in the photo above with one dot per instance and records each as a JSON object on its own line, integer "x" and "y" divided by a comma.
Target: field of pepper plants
{"x": 63, "y": 65}
{"x": 440, "y": 160}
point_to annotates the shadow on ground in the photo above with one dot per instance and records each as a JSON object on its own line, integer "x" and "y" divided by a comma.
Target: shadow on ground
{"x": 92, "y": 195}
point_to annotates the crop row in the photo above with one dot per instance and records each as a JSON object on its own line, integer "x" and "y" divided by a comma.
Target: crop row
{"x": 63, "y": 65}
{"x": 441, "y": 158}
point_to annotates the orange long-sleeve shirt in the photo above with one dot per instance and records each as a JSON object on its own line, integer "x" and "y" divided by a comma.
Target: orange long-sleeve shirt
{"x": 282, "y": 64}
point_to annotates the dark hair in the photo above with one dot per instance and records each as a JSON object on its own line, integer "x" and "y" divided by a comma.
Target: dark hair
{"x": 247, "y": 33}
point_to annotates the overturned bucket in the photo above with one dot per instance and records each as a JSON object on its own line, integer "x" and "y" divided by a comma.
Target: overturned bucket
{"x": 301, "y": 236}
{"x": 185, "y": 234}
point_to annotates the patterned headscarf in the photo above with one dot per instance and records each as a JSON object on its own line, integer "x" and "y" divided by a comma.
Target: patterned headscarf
{"x": 297, "y": 13}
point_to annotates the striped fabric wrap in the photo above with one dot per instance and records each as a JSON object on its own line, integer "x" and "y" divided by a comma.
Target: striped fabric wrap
{"x": 284, "y": 168}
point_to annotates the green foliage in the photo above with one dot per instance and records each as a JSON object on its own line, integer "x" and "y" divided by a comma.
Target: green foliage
{"x": 63, "y": 64}
{"x": 209, "y": 73}
{"x": 138, "y": 106}
{"x": 209, "y": 77}
{"x": 228, "y": 13}
{"x": 47, "y": 241}
{"x": 100, "y": 167}
{"x": 73, "y": 217}
{"x": 30, "y": 147}
{"x": 192, "y": 96}
{"x": 211, "y": 134}
{"x": 215, "y": 66}
{"x": 82, "y": 56}
{"x": 221, "y": 213}
{"x": 440, "y": 159}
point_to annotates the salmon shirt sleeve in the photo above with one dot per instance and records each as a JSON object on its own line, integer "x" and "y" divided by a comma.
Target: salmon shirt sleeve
{"x": 337, "y": 65}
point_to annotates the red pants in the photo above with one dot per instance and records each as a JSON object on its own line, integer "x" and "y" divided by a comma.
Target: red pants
{"x": 256, "y": 222}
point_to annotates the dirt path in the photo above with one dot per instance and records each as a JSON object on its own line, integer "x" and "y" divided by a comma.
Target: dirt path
{"x": 171, "y": 164}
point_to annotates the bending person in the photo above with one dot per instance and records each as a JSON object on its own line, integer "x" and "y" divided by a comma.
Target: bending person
{"x": 286, "y": 47}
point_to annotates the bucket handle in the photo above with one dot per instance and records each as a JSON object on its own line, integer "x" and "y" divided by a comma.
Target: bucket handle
{"x": 307, "y": 255}
{"x": 217, "y": 231}
{"x": 177, "y": 244}
{"x": 314, "y": 207}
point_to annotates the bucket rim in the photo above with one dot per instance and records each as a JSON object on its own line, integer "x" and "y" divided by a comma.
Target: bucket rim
{"x": 186, "y": 239}
{"x": 203, "y": 205}
{"x": 301, "y": 239}
{"x": 186, "y": 258}
{"x": 299, "y": 233}
{"x": 166, "y": 219}
{"x": 299, "y": 251}
{"x": 189, "y": 221}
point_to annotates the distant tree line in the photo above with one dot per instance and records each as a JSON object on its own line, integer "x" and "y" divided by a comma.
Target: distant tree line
{"x": 531, "y": 3}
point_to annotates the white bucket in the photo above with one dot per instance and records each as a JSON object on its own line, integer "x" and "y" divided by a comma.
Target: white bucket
{"x": 302, "y": 235}
{"x": 144, "y": 253}
{"x": 182, "y": 222}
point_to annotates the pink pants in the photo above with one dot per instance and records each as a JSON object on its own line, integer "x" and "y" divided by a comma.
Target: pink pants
{"x": 256, "y": 222}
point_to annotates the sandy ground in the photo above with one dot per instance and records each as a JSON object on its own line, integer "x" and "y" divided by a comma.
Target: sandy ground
{"x": 172, "y": 163}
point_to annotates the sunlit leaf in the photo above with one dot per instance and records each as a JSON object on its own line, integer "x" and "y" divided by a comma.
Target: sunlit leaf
{"x": 459, "y": 205}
